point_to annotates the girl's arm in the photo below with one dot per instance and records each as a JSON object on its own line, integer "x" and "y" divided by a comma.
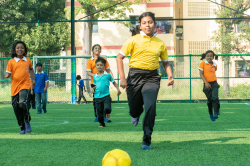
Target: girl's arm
{"x": 119, "y": 61}
{"x": 208, "y": 86}
{"x": 32, "y": 75}
{"x": 110, "y": 72}
{"x": 7, "y": 75}
{"x": 168, "y": 69}
{"x": 118, "y": 90}
{"x": 90, "y": 74}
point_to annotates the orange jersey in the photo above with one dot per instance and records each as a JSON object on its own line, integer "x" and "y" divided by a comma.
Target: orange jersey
{"x": 91, "y": 67}
{"x": 208, "y": 71}
{"x": 19, "y": 69}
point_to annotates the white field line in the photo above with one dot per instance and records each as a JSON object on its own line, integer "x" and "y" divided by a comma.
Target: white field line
{"x": 67, "y": 122}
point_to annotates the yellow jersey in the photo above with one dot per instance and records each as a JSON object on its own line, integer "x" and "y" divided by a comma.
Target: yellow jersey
{"x": 145, "y": 51}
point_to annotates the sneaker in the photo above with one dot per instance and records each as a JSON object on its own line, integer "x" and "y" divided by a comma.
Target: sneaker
{"x": 96, "y": 119}
{"x": 107, "y": 120}
{"x": 45, "y": 111}
{"x": 135, "y": 121}
{"x": 216, "y": 116}
{"x": 146, "y": 147}
{"x": 212, "y": 118}
{"x": 102, "y": 126}
{"x": 27, "y": 127}
{"x": 22, "y": 132}
{"x": 38, "y": 112}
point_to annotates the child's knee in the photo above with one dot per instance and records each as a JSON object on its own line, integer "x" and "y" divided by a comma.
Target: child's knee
{"x": 23, "y": 105}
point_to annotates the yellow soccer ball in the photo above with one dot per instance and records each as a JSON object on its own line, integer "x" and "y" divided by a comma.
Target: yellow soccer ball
{"x": 116, "y": 157}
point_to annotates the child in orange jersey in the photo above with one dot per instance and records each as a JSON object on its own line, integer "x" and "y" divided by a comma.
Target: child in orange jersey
{"x": 18, "y": 68}
{"x": 210, "y": 88}
{"x": 91, "y": 71}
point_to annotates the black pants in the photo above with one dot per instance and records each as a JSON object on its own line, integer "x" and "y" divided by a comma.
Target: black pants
{"x": 32, "y": 100}
{"x": 19, "y": 104}
{"x": 212, "y": 98}
{"x": 103, "y": 107}
{"x": 81, "y": 96}
{"x": 142, "y": 89}
{"x": 92, "y": 85}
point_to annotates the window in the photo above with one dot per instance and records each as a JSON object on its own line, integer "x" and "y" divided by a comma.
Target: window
{"x": 199, "y": 47}
{"x": 164, "y": 27}
{"x": 242, "y": 68}
{"x": 198, "y": 9}
{"x": 95, "y": 27}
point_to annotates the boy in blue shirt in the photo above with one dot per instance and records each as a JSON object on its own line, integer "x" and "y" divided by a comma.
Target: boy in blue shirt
{"x": 81, "y": 86}
{"x": 101, "y": 91}
{"x": 42, "y": 83}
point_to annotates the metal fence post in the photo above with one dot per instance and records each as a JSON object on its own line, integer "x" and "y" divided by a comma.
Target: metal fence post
{"x": 190, "y": 78}
{"x": 118, "y": 82}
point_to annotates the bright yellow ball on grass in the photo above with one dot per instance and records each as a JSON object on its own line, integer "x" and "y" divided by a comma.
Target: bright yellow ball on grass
{"x": 116, "y": 157}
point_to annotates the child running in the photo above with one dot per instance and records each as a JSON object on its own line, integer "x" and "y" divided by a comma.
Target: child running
{"x": 18, "y": 68}
{"x": 91, "y": 71}
{"x": 143, "y": 81}
{"x": 101, "y": 91}
{"x": 81, "y": 87}
{"x": 210, "y": 87}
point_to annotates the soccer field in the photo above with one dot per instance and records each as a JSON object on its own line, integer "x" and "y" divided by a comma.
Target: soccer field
{"x": 183, "y": 135}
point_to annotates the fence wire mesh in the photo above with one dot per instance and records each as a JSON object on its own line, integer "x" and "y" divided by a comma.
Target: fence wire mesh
{"x": 188, "y": 84}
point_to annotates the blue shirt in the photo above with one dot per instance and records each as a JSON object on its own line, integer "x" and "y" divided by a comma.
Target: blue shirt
{"x": 81, "y": 83}
{"x": 102, "y": 84}
{"x": 40, "y": 82}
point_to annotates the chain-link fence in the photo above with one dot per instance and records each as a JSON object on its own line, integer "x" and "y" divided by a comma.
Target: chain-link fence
{"x": 188, "y": 84}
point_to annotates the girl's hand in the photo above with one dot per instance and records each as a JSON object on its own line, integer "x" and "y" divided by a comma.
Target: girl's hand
{"x": 118, "y": 92}
{"x": 171, "y": 81}
{"x": 208, "y": 86}
{"x": 92, "y": 90}
{"x": 31, "y": 92}
{"x": 123, "y": 83}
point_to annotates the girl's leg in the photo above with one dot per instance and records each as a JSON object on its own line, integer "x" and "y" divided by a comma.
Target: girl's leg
{"x": 23, "y": 97}
{"x": 208, "y": 94}
{"x": 149, "y": 93}
{"x": 134, "y": 95}
{"x": 135, "y": 102}
{"x": 18, "y": 111}
{"x": 215, "y": 99}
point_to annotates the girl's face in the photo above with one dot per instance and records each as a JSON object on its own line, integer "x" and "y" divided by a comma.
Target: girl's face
{"x": 148, "y": 25}
{"x": 97, "y": 50}
{"x": 210, "y": 57}
{"x": 20, "y": 49}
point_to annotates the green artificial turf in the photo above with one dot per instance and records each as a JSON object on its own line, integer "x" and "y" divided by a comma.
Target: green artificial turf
{"x": 183, "y": 135}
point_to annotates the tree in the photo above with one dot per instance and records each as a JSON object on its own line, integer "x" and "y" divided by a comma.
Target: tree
{"x": 89, "y": 7}
{"x": 42, "y": 39}
{"x": 229, "y": 41}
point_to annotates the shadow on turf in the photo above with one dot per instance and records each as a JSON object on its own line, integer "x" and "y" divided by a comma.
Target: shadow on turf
{"x": 87, "y": 152}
